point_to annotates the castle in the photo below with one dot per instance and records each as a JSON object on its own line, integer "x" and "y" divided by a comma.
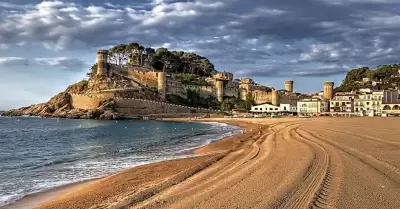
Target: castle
{"x": 220, "y": 86}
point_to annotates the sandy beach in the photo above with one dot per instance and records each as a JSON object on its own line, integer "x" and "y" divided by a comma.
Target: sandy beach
{"x": 275, "y": 163}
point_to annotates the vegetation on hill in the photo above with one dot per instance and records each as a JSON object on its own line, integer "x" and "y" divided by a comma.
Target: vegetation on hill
{"x": 231, "y": 103}
{"x": 161, "y": 59}
{"x": 384, "y": 77}
{"x": 194, "y": 99}
{"x": 187, "y": 78}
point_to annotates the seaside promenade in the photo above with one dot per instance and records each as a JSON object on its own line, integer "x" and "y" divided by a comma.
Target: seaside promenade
{"x": 274, "y": 163}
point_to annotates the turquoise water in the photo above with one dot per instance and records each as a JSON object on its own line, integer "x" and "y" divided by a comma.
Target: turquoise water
{"x": 37, "y": 154}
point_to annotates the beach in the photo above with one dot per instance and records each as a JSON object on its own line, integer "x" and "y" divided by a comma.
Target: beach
{"x": 274, "y": 163}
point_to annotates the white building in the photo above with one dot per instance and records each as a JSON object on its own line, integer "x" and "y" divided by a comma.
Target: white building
{"x": 269, "y": 108}
{"x": 369, "y": 103}
{"x": 342, "y": 103}
{"x": 312, "y": 106}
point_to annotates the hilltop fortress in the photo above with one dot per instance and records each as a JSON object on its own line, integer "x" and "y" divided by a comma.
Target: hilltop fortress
{"x": 220, "y": 86}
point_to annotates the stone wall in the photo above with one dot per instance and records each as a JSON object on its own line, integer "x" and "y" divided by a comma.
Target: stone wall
{"x": 103, "y": 95}
{"x": 140, "y": 74}
{"x": 86, "y": 102}
{"x": 261, "y": 97}
{"x": 147, "y": 107}
{"x": 232, "y": 91}
{"x": 145, "y": 78}
{"x": 177, "y": 88}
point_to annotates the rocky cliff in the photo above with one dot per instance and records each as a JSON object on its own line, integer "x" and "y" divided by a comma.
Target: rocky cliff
{"x": 60, "y": 106}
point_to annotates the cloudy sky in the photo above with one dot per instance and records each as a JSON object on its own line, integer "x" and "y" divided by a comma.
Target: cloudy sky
{"x": 46, "y": 45}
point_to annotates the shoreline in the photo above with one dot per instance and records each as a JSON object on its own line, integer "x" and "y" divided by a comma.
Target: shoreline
{"x": 206, "y": 151}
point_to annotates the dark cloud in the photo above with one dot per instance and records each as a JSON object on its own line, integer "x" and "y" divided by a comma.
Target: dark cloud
{"x": 287, "y": 37}
{"x": 63, "y": 63}
{"x": 290, "y": 71}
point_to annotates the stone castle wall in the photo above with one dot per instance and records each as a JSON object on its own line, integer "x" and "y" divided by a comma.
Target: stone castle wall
{"x": 261, "y": 97}
{"x": 177, "y": 88}
{"x": 146, "y": 107}
{"x": 86, "y": 102}
{"x": 103, "y": 95}
{"x": 231, "y": 91}
{"x": 133, "y": 106}
{"x": 144, "y": 76}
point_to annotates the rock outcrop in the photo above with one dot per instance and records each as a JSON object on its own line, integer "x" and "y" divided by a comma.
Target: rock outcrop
{"x": 60, "y": 106}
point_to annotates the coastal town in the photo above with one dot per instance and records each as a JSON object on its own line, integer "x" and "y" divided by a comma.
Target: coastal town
{"x": 365, "y": 102}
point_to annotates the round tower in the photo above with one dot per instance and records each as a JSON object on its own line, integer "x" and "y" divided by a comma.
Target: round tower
{"x": 220, "y": 90}
{"x": 289, "y": 86}
{"x": 162, "y": 84}
{"x": 243, "y": 93}
{"x": 245, "y": 87}
{"x": 275, "y": 98}
{"x": 328, "y": 89}
{"x": 102, "y": 56}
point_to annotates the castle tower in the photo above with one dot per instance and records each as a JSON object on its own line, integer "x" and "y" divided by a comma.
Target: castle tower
{"x": 243, "y": 93}
{"x": 289, "y": 86}
{"x": 245, "y": 87}
{"x": 102, "y": 56}
{"x": 220, "y": 79}
{"x": 275, "y": 98}
{"x": 220, "y": 90}
{"x": 162, "y": 84}
{"x": 328, "y": 90}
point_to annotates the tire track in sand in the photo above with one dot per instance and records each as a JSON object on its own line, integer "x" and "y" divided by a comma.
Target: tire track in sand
{"x": 397, "y": 144}
{"x": 386, "y": 169}
{"x": 329, "y": 190}
{"x": 314, "y": 191}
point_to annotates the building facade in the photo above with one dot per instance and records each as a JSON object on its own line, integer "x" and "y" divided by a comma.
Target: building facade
{"x": 312, "y": 106}
{"x": 369, "y": 104}
{"x": 391, "y": 103}
{"x": 269, "y": 108}
{"x": 342, "y": 103}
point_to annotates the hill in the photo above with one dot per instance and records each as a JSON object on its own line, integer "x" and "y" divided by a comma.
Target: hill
{"x": 382, "y": 78}
{"x": 186, "y": 66}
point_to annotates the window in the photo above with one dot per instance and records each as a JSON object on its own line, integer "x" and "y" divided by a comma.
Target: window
{"x": 284, "y": 108}
{"x": 276, "y": 108}
{"x": 256, "y": 108}
{"x": 271, "y": 109}
{"x": 356, "y": 109}
{"x": 367, "y": 103}
{"x": 260, "y": 108}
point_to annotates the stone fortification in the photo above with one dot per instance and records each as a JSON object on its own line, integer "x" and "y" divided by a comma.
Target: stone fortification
{"x": 261, "y": 97}
{"x": 328, "y": 89}
{"x": 132, "y": 106}
{"x": 177, "y": 88}
{"x": 85, "y": 102}
{"x": 289, "y": 86}
{"x": 220, "y": 85}
{"x": 146, "y": 107}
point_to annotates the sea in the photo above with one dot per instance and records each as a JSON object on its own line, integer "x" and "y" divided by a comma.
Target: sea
{"x": 37, "y": 154}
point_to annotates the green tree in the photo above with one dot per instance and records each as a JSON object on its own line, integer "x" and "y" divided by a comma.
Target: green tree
{"x": 162, "y": 58}
{"x": 249, "y": 102}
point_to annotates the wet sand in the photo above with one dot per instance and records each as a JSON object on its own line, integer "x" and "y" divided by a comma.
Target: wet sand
{"x": 292, "y": 163}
